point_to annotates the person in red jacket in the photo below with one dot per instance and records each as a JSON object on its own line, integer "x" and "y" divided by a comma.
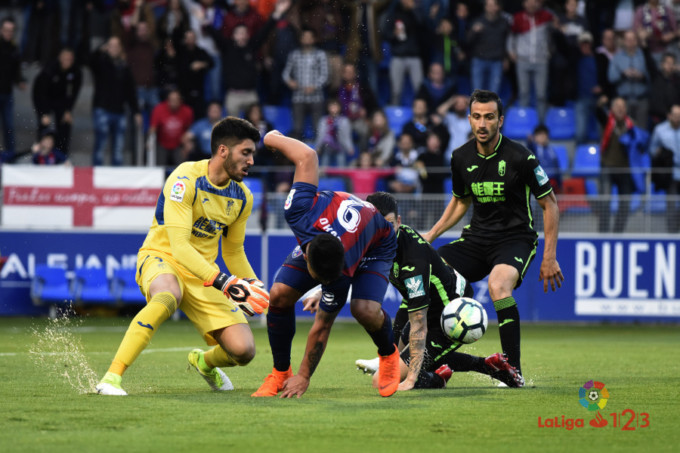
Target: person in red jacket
{"x": 169, "y": 121}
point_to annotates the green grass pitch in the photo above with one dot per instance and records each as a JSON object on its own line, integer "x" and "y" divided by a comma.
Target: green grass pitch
{"x": 172, "y": 409}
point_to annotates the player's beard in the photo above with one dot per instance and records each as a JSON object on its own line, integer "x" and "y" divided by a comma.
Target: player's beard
{"x": 234, "y": 168}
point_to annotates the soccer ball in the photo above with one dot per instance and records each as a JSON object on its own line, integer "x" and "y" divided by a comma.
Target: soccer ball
{"x": 464, "y": 320}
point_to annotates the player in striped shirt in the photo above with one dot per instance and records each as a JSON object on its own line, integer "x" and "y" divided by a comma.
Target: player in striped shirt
{"x": 343, "y": 241}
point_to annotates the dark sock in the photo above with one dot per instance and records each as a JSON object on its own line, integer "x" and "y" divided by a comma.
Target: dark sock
{"x": 429, "y": 380}
{"x": 383, "y": 338}
{"x": 508, "y": 328}
{"x": 460, "y": 362}
{"x": 400, "y": 320}
{"x": 281, "y": 330}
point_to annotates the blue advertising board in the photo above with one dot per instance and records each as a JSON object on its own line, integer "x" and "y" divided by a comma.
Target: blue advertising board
{"x": 627, "y": 278}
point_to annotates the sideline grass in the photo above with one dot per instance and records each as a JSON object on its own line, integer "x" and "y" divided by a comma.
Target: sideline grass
{"x": 172, "y": 409}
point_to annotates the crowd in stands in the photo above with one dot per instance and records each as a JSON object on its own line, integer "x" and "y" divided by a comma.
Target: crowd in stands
{"x": 171, "y": 68}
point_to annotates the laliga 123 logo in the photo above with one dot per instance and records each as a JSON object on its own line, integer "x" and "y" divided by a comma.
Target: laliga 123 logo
{"x": 593, "y": 396}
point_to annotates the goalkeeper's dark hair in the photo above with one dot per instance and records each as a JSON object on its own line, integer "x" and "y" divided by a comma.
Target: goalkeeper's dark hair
{"x": 326, "y": 257}
{"x": 485, "y": 96}
{"x": 384, "y": 202}
{"x": 231, "y": 131}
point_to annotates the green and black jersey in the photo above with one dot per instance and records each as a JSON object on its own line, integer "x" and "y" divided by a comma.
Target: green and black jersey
{"x": 500, "y": 186}
{"x": 422, "y": 278}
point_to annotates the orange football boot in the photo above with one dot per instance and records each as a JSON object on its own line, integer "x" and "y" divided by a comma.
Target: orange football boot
{"x": 273, "y": 383}
{"x": 388, "y": 373}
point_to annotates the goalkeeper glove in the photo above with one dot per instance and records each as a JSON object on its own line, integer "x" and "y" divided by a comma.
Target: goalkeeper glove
{"x": 248, "y": 293}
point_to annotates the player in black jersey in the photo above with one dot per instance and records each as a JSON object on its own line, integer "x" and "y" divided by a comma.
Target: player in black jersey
{"x": 497, "y": 176}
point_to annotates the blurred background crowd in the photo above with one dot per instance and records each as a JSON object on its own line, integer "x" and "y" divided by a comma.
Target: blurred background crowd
{"x": 378, "y": 87}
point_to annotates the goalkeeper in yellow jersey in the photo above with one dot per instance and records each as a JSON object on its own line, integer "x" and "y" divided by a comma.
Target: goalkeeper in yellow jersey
{"x": 201, "y": 203}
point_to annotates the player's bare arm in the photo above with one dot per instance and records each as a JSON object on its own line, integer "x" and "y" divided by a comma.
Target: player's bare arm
{"x": 416, "y": 345}
{"x": 302, "y": 156}
{"x": 550, "y": 271}
{"x": 316, "y": 345}
{"x": 455, "y": 211}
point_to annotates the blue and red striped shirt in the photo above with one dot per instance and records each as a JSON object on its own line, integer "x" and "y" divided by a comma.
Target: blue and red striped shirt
{"x": 363, "y": 231}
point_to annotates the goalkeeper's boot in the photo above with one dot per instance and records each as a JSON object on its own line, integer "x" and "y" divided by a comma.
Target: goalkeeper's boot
{"x": 388, "y": 373}
{"x": 215, "y": 377}
{"x": 110, "y": 385}
{"x": 368, "y": 366}
{"x": 444, "y": 372}
{"x": 273, "y": 383}
{"x": 500, "y": 369}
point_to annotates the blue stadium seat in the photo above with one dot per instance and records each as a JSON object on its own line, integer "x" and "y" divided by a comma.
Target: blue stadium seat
{"x": 562, "y": 157}
{"x": 561, "y": 122}
{"x": 519, "y": 122}
{"x": 397, "y": 117}
{"x": 50, "y": 286}
{"x": 256, "y": 187}
{"x": 281, "y": 117}
{"x": 124, "y": 287}
{"x": 335, "y": 184}
{"x": 92, "y": 286}
{"x": 586, "y": 161}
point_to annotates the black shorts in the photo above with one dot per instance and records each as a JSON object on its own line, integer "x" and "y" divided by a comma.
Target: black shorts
{"x": 437, "y": 347}
{"x": 474, "y": 258}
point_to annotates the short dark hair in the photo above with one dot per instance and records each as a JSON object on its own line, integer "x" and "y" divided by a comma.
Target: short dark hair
{"x": 48, "y": 133}
{"x": 231, "y": 131}
{"x": 384, "y": 202}
{"x": 484, "y": 96}
{"x": 306, "y": 29}
{"x": 326, "y": 256}
{"x": 541, "y": 129}
{"x": 668, "y": 55}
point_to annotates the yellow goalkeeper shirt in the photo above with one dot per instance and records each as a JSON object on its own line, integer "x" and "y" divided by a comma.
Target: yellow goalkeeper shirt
{"x": 192, "y": 214}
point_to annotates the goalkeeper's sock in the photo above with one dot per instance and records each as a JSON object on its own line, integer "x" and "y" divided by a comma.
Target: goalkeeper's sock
{"x": 143, "y": 326}
{"x": 383, "y": 338}
{"x": 508, "y": 328}
{"x": 460, "y": 362}
{"x": 216, "y": 357}
{"x": 281, "y": 330}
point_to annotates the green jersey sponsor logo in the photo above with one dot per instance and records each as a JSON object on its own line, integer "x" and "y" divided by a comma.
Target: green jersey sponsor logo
{"x": 531, "y": 156}
{"x": 414, "y": 285}
{"x": 472, "y": 168}
{"x": 435, "y": 345}
{"x": 541, "y": 175}
{"x": 519, "y": 260}
{"x": 408, "y": 268}
{"x": 501, "y": 168}
{"x": 489, "y": 191}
